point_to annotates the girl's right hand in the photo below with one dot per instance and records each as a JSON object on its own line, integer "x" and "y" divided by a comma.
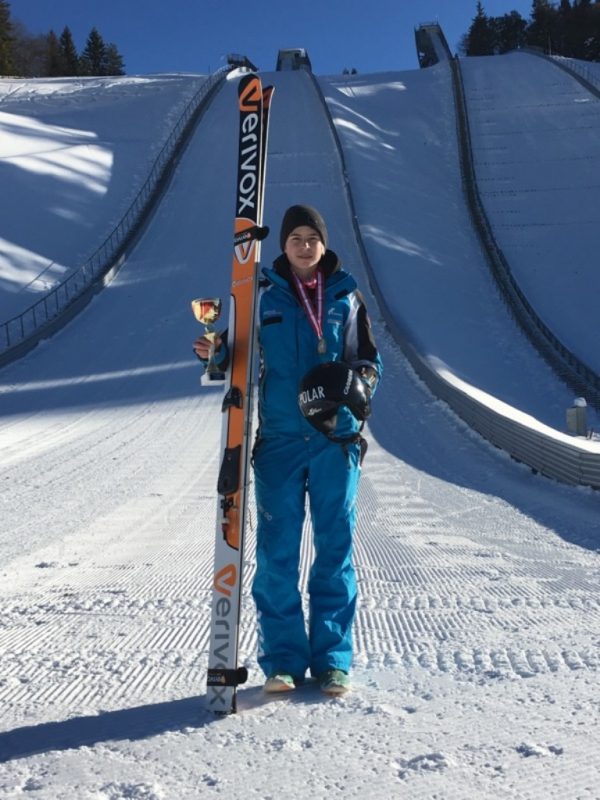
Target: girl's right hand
{"x": 202, "y": 346}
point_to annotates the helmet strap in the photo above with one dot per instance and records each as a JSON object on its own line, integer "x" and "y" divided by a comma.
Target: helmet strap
{"x": 356, "y": 438}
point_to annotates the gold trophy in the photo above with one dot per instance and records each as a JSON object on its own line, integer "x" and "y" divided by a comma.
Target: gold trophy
{"x": 207, "y": 310}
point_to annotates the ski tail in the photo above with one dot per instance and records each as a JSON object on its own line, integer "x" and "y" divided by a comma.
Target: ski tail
{"x": 224, "y": 674}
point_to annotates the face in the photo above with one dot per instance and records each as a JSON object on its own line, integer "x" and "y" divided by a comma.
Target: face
{"x": 304, "y": 250}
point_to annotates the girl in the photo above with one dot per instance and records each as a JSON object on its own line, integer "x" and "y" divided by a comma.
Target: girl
{"x": 310, "y": 314}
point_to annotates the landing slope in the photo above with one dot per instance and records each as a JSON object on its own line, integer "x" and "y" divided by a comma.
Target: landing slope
{"x": 74, "y": 152}
{"x": 399, "y": 137}
{"x": 536, "y": 147}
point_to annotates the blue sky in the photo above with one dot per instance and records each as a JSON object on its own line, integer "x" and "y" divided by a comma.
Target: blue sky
{"x": 195, "y": 35}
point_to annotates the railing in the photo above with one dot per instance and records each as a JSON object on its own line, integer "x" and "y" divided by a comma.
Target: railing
{"x": 21, "y": 333}
{"x": 578, "y": 68}
{"x": 589, "y": 79}
{"x": 567, "y": 459}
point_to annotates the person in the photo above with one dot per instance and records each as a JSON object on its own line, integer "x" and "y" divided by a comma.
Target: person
{"x": 310, "y": 314}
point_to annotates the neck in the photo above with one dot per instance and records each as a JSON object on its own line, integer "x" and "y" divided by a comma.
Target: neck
{"x": 305, "y": 275}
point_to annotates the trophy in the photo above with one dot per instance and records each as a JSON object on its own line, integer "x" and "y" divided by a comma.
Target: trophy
{"x": 207, "y": 311}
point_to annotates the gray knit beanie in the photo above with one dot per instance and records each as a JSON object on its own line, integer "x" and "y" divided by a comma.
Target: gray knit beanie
{"x": 298, "y": 215}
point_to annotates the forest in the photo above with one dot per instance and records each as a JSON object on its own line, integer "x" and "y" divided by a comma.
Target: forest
{"x": 570, "y": 29}
{"x": 27, "y": 55}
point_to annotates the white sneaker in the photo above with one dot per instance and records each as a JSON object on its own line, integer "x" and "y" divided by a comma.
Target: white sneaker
{"x": 280, "y": 682}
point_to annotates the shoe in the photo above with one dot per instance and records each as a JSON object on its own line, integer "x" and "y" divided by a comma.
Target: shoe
{"x": 280, "y": 682}
{"x": 334, "y": 681}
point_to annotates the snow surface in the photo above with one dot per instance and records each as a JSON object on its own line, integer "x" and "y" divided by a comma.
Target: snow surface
{"x": 477, "y": 635}
{"x": 537, "y": 159}
{"x": 82, "y": 148}
{"x": 399, "y": 134}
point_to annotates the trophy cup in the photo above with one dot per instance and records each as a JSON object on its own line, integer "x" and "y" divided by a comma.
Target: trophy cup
{"x": 207, "y": 311}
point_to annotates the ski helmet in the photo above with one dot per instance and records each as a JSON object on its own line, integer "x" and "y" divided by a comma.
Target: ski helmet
{"x": 327, "y": 387}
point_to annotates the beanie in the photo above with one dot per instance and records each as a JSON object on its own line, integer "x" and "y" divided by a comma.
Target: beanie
{"x": 296, "y": 216}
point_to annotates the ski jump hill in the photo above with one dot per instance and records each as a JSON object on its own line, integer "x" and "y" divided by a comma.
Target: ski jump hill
{"x": 419, "y": 173}
{"x": 475, "y": 570}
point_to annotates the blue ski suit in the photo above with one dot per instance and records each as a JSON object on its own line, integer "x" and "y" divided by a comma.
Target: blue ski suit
{"x": 292, "y": 460}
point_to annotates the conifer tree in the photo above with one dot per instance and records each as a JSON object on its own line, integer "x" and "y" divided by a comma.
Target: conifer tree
{"x": 55, "y": 64}
{"x": 28, "y": 57}
{"x": 6, "y": 39}
{"x": 563, "y": 36}
{"x": 509, "y": 32}
{"x": 593, "y": 30}
{"x": 480, "y": 38}
{"x": 542, "y": 25}
{"x": 93, "y": 58}
{"x": 114, "y": 61}
{"x": 69, "y": 53}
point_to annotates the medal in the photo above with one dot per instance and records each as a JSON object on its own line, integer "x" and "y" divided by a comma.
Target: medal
{"x": 315, "y": 316}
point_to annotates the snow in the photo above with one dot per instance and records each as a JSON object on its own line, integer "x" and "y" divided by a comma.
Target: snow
{"x": 540, "y": 183}
{"x": 83, "y": 148}
{"x": 477, "y": 645}
{"x": 402, "y": 158}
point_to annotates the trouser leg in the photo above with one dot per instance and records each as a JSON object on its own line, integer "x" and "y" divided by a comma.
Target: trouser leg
{"x": 332, "y": 484}
{"x": 280, "y": 481}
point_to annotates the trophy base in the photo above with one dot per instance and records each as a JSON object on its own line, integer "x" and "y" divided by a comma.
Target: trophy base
{"x": 212, "y": 378}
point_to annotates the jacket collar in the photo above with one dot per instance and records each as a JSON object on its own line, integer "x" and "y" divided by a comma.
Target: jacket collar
{"x": 330, "y": 264}
{"x": 336, "y": 278}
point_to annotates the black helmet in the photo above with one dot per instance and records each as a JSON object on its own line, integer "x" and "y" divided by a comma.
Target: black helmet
{"x": 327, "y": 387}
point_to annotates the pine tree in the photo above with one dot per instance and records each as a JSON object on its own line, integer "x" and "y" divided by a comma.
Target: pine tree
{"x": 114, "y": 61}
{"x": 585, "y": 30}
{"x": 93, "y": 58}
{"x": 480, "y": 37}
{"x": 509, "y": 32}
{"x": 6, "y": 39}
{"x": 592, "y": 33}
{"x": 29, "y": 53}
{"x": 69, "y": 53}
{"x": 563, "y": 34}
{"x": 54, "y": 56}
{"x": 542, "y": 25}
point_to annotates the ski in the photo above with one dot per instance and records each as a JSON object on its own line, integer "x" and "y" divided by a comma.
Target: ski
{"x": 224, "y": 673}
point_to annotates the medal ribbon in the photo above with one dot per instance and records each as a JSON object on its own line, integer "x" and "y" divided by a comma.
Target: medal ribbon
{"x": 315, "y": 316}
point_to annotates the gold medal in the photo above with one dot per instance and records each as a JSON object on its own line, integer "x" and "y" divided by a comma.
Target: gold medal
{"x": 314, "y": 315}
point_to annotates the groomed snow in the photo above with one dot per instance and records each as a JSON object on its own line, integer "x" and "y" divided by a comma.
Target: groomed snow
{"x": 82, "y": 148}
{"x": 537, "y": 154}
{"x": 477, "y": 646}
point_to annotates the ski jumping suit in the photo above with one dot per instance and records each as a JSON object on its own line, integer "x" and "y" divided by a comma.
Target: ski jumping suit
{"x": 291, "y": 459}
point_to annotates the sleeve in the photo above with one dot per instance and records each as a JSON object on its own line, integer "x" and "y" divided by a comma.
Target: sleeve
{"x": 360, "y": 349}
{"x": 222, "y": 357}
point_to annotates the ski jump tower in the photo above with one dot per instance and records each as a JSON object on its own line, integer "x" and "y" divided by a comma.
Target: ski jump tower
{"x": 432, "y": 46}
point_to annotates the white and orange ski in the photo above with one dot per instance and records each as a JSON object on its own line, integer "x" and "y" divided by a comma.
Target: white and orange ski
{"x": 224, "y": 673}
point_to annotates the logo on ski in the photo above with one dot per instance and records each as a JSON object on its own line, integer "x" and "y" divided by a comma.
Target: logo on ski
{"x": 245, "y": 237}
{"x": 251, "y": 95}
{"x": 224, "y": 578}
{"x": 244, "y": 242}
{"x": 249, "y": 153}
